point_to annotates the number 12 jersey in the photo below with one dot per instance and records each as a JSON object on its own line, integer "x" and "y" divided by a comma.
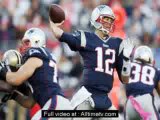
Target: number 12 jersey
{"x": 100, "y": 57}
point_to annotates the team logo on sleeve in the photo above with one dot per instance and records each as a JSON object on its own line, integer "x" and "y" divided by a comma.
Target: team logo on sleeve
{"x": 101, "y": 7}
{"x": 105, "y": 45}
{"x": 33, "y": 51}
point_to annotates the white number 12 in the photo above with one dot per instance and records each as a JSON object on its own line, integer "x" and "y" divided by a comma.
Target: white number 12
{"x": 107, "y": 62}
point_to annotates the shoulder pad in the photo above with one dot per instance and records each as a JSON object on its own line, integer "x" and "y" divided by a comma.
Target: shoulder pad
{"x": 34, "y": 52}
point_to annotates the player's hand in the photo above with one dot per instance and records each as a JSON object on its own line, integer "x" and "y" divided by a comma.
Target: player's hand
{"x": 55, "y": 24}
{"x": 128, "y": 48}
{"x": 3, "y": 71}
{"x": 57, "y": 31}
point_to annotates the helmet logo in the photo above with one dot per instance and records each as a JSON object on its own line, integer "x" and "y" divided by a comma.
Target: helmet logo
{"x": 31, "y": 31}
{"x": 101, "y": 7}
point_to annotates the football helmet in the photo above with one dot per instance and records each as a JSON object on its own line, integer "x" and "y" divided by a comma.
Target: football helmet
{"x": 12, "y": 59}
{"x": 144, "y": 54}
{"x": 102, "y": 18}
{"x": 33, "y": 37}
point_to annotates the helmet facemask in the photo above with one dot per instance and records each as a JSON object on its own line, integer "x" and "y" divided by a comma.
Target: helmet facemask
{"x": 25, "y": 45}
{"x": 107, "y": 23}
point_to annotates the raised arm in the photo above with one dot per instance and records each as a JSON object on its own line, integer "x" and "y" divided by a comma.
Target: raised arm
{"x": 75, "y": 40}
{"x": 57, "y": 31}
{"x": 125, "y": 51}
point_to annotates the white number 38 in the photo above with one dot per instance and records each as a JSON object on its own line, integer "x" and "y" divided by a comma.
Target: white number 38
{"x": 145, "y": 74}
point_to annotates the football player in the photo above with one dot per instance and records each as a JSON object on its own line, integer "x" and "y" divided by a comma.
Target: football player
{"x": 144, "y": 77}
{"x": 101, "y": 53}
{"x": 12, "y": 60}
{"x": 39, "y": 68}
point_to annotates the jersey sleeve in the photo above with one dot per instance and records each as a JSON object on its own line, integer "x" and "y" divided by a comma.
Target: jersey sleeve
{"x": 119, "y": 64}
{"x": 157, "y": 78}
{"x": 76, "y": 40}
{"x": 119, "y": 59}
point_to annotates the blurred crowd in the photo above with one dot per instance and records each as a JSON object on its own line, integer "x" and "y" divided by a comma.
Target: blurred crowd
{"x": 137, "y": 19}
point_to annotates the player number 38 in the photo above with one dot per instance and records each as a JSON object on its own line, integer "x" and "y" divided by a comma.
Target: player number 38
{"x": 145, "y": 74}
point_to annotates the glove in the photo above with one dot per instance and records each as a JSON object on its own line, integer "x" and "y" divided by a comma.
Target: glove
{"x": 127, "y": 46}
{"x": 10, "y": 96}
{"x": 3, "y": 71}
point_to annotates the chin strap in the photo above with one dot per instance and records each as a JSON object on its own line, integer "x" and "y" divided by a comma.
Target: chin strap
{"x": 106, "y": 32}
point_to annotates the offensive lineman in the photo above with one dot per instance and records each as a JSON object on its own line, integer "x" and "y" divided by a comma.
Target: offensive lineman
{"x": 39, "y": 69}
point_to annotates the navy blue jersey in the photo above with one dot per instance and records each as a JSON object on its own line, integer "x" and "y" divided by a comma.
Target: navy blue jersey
{"x": 143, "y": 79}
{"x": 44, "y": 79}
{"x": 100, "y": 57}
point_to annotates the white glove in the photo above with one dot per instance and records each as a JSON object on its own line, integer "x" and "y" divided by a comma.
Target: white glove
{"x": 127, "y": 46}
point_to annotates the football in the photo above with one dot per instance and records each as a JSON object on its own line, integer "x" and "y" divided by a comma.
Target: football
{"x": 56, "y": 13}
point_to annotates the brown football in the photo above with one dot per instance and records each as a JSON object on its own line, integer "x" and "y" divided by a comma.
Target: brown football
{"x": 56, "y": 13}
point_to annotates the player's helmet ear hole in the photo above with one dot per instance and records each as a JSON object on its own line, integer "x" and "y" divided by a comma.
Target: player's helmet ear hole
{"x": 36, "y": 41}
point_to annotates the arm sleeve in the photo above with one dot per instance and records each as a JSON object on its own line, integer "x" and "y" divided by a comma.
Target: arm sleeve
{"x": 158, "y": 78}
{"x": 119, "y": 58}
{"x": 119, "y": 64}
{"x": 76, "y": 41}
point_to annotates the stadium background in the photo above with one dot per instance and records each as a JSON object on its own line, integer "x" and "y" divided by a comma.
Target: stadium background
{"x": 138, "y": 19}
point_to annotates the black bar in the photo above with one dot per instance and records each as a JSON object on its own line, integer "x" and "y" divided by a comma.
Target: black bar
{"x": 80, "y": 113}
